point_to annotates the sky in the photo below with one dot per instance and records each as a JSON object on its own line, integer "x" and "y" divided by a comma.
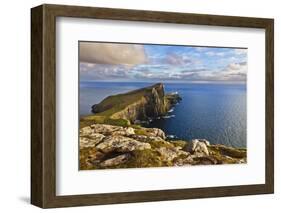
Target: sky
{"x": 161, "y": 63}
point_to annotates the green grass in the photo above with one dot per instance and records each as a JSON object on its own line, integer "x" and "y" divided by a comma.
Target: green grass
{"x": 220, "y": 153}
{"x": 97, "y": 119}
{"x": 116, "y": 103}
{"x": 92, "y": 119}
{"x": 144, "y": 158}
{"x": 179, "y": 143}
{"x": 85, "y": 155}
{"x": 159, "y": 144}
{"x": 229, "y": 151}
{"x": 117, "y": 122}
{"x": 142, "y": 131}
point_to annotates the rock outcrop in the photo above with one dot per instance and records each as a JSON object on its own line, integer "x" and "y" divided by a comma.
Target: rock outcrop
{"x": 108, "y": 146}
{"x": 121, "y": 144}
{"x": 198, "y": 146}
{"x": 138, "y": 105}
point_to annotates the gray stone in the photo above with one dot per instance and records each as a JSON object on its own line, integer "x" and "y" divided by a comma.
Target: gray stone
{"x": 91, "y": 140}
{"x": 204, "y": 141}
{"x": 196, "y": 146}
{"x": 85, "y": 131}
{"x": 168, "y": 154}
{"x": 115, "y": 161}
{"x": 128, "y": 131}
{"x": 157, "y": 133}
{"x": 121, "y": 144}
{"x": 105, "y": 129}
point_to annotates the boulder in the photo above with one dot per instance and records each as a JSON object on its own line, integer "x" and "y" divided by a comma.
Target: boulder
{"x": 155, "y": 132}
{"x": 168, "y": 154}
{"x": 85, "y": 131}
{"x": 105, "y": 129}
{"x": 91, "y": 140}
{"x": 128, "y": 131}
{"x": 204, "y": 141}
{"x": 116, "y": 160}
{"x": 121, "y": 144}
{"x": 158, "y": 133}
{"x": 198, "y": 146}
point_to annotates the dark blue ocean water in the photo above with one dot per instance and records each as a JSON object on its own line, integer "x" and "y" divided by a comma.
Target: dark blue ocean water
{"x": 216, "y": 112}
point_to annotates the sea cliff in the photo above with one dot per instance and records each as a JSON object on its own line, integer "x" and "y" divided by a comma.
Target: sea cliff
{"x": 142, "y": 104}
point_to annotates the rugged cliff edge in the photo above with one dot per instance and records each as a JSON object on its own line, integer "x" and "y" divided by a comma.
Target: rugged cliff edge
{"x": 138, "y": 105}
{"x": 106, "y": 146}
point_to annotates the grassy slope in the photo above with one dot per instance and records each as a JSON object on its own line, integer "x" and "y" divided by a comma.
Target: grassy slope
{"x": 113, "y": 104}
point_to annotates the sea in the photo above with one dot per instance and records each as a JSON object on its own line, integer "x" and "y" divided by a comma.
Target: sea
{"x": 213, "y": 111}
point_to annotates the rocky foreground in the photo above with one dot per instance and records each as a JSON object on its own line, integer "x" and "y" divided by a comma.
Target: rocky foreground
{"x": 108, "y": 146}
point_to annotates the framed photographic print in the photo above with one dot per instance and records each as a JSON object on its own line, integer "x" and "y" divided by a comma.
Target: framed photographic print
{"x": 136, "y": 106}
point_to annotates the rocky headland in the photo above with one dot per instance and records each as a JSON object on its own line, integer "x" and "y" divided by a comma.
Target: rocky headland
{"x": 133, "y": 107}
{"x": 114, "y": 138}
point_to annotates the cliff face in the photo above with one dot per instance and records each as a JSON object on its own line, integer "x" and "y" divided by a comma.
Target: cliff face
{"x": 142, "y": 104}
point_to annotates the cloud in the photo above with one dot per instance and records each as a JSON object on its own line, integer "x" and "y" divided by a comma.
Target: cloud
{"x": 194, "y": 70}
{"x": 129, "y": 62}
{"x": 211, "y": 53}
{"x": 233, "y": 67}
{"x": 147, "y": 67}
{"x": 177, "y": 59}
{"x": 102, "y": 71}
{"x": 231, "y": 72}
{"x": 114, "y": 54}
{"x": 240, "y": 51}
{"x": 235, "y": 72}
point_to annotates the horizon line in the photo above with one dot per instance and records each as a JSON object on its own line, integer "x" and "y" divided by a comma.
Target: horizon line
{"x": 203, "y": 82}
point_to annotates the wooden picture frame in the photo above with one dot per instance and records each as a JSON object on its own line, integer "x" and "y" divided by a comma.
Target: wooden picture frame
{"x": 43, "y": 105}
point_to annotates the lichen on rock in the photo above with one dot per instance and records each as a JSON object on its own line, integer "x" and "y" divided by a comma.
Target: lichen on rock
{"x": 106, "y": 146}
{"x": 120, "y": 143}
